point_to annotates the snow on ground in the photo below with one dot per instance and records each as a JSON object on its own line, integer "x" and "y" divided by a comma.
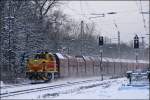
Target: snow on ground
{"x": 110, "y": 90}
{"x": 107, "y": 89}
{"x": 1, "y": 83}
{"x": 53, "y": 82}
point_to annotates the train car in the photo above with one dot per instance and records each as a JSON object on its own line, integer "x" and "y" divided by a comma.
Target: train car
{"x": 89, "y": 64}
{"x": 63, "y": 65}
{"x": 81, "y": 66}
{"x": 124, "y": 67}
{"x": 47, "y": 66}
{"x": 72, "y": 66}
{"x": 98, "y": 67}
{"x": 104, "y": 65}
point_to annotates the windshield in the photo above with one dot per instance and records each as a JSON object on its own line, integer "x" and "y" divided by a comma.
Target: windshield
{"x": 40, "y": 56}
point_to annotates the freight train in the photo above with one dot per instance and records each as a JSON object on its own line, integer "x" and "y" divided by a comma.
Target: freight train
{"x": 47, "y": 66}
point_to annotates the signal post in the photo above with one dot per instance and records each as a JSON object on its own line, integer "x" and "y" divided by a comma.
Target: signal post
{"x": 136, "y": 46}
{"x": 101, "y": 42}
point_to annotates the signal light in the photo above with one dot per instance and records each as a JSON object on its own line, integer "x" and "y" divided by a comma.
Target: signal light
{"x": 101, "y": 40}
{"x": 136, "y": 42}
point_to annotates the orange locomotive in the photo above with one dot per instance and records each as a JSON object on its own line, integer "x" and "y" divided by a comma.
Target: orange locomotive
{"x": 42, "y": 67}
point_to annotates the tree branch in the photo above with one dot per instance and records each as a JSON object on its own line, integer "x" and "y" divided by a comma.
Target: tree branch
{"x": 49, "y": 7}
{"x": 43, "y": 5}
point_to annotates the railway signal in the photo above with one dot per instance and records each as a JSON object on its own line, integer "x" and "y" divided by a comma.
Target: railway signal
{"x": 101, "y": 41}
{"x": 136, "y": 42}
{"x": 136, "y": 46}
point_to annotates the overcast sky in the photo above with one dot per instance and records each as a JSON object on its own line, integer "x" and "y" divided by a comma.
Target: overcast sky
{"x": 128, "y": 18}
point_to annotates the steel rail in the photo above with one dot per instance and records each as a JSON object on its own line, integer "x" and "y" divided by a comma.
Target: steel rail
{"x": 13, "y": 93}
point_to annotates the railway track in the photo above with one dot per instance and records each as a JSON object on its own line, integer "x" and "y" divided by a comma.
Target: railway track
{"x": 19, "y": 92}
{"x": 13, "y": 86}
{"x": 20, "y": 85}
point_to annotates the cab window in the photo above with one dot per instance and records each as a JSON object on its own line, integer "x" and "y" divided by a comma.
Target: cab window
{"x": 40, "y": 56}
{"x": 51, "y": 57}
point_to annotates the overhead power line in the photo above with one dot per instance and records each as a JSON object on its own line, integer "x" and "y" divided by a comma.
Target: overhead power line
{"x": 142, "y": 15}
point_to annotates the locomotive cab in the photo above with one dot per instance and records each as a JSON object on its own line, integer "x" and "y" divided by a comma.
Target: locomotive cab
{"x": 42, "y": 67}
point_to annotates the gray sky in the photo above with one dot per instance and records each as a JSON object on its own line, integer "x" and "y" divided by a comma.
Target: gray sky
{"x": 128, "y": 18}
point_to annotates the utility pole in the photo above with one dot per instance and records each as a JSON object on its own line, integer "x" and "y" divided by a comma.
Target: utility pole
{"x": 149, "y": 47}
{"x": 119, "y": 44}
{"x": 143, "y": 41}
{"x": 149, "y": 50}
{"x": 101, "y": 69}
{"x": 118, "y": 40}
{"x": 82, "y": 31}
{"x": 142, "y": 48}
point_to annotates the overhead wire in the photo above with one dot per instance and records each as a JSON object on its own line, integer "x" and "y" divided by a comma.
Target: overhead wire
{"x": 142, "y": 14}
{"x": 77, "y": 12}
{"x": 141, "y": 10}
{"x": 81, "y": 9}
{"x": 88, "y": 7}
{"x": 80, "y": 14}
{"x": 86, "y": 16}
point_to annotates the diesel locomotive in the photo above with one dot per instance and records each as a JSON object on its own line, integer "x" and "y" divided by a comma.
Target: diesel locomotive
{"x": 42, "y": 67}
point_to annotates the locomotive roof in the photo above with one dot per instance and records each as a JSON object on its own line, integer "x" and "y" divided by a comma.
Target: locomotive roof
{"x": 60, "y": 56}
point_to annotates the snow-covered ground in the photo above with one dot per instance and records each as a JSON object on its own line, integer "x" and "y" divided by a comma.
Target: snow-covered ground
{"x": 1, "y": 83}
{"x": 107, "y": 89}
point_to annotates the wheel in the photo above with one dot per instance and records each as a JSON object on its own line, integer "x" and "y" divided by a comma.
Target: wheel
{"x": 56, "y": 75}
{"x": 49, "y": 76}
{"x": 30, "y": 76}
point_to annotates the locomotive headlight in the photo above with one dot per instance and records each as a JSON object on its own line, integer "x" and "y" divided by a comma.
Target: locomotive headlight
{"x": 35, "y": 61}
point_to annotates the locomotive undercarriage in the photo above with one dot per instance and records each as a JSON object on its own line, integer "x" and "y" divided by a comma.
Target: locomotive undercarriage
{"x": 46, "y": 76}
